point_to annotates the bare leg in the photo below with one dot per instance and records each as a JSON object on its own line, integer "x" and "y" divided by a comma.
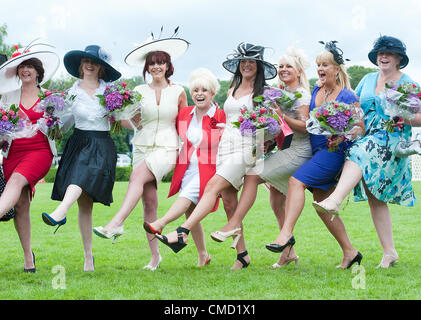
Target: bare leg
{"x": 198, "y": 236}
{"x": 337, "y": 229}
{"x": 350, "y": 176}
{"x": 12, "y": 193}
{"x": 277, "y": 203}
{"x": 139, "y": 177}
{"x": 85, "y": 204}
{"x": 382, "y": 220}
{"x": 180, "y": 206}
{"x": 215, "y": 185}
{"x": 22, "y": 223}
{"x": 150, "y": 214}
{"x": 294, "y": 206}
{"x": 73, "y": 192}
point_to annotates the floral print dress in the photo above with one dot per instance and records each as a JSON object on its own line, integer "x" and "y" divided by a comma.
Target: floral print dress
{"x": 387, "y": 177}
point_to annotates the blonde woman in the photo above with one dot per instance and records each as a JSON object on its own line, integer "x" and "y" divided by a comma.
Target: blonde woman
{"x": 319, "y": 173}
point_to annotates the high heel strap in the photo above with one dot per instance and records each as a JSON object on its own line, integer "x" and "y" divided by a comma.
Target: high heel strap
{"x": 180, "y": 231}
{"x": 240, "y": 257}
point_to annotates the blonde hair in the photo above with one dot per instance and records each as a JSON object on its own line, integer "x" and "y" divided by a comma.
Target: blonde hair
{"x": 342, "y": 78}
{"x": 203, "y": 78}
{"x": 299, "y": 61}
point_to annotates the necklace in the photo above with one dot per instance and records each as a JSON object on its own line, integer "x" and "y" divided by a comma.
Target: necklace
{"x": 327, "y": 94}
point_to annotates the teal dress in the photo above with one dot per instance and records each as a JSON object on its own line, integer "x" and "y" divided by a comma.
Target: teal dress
{"x": 387, "y": 177}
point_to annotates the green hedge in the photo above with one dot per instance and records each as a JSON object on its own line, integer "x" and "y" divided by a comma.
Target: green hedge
{"x": 121, "y": 174}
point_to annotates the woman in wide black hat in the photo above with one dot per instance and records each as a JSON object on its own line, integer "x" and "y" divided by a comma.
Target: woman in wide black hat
{"x": 235, "y": 156}
{"x": 86, "y": 170}
{"x": 373, "y": 167}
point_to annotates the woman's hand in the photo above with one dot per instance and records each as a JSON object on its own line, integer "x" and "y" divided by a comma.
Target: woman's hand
{"x": 335, "y": 141}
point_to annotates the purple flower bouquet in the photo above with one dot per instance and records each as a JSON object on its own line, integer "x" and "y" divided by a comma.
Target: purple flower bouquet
{"x": 14, "y": 125}
{"x": 403, "y": 101}
{"x": 258, "y": 121}
{"x": 120, "y": 104}
{"x": 334, "y": 119}
{"x": 53, "y": 104}
{"x": 282, "y": 97}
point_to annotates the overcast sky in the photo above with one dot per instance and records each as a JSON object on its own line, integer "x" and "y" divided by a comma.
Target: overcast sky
{"x": 214, "y": 28}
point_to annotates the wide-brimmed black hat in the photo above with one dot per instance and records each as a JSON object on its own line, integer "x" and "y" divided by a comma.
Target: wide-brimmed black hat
{"x": 95, "y": 53}
{"x": 389, "y": 44}
{"x": 249, "y": 51}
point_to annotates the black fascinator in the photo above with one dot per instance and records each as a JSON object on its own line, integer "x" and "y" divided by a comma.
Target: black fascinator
{"x": 337, "y": 52}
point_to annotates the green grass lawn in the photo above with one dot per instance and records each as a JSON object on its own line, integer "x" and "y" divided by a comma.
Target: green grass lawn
{"x": 119, "y": 274}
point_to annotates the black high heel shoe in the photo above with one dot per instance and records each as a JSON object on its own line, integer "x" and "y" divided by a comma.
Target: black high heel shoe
{"x": 31, "y": 270}
{"x": 240, "y": 257}
{"x": 175, "y": 246}
{"x": 279, "y": 248}
{"x": 357, "y": 259}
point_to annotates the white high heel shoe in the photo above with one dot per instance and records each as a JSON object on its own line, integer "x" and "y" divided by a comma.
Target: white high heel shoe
{"x": 221, "y": 236}
{"x": 101, "y": 232}
{"x": 149, "y": 267}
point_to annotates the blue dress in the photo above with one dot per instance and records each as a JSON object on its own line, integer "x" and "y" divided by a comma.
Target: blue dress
{"x": 323, "y": 169}
{"x": 387, "y": 177}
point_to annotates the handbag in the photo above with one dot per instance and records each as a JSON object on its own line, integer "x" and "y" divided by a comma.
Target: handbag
{"x": 11, "y": 213}
{"x": 284, "y": 138}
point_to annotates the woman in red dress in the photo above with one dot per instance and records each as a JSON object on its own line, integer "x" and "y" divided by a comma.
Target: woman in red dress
{"x": 27, "y": 160}
{"x": 200, "y": 128}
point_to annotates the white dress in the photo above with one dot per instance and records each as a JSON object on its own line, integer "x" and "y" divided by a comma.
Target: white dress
{"x": 235, "y": 152}
{"x": 190, "y": 184}
{"x": 157, "y": 142}
{"x": 278, "y": 167}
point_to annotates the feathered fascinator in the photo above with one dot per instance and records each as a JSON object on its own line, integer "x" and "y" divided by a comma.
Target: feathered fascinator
{"x": 389, "y": 44}
{"x": 337, "y": 52}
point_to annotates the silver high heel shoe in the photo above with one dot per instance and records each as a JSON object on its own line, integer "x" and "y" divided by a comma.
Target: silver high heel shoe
{"x": 287, "y": 262}
{"x": 101, "y": 232}
{"x": 408, "y": 148}
{"x": 149, "y": 267}
{"x": 392, "y": 262}
{"x": 221, "y": 236}
{"x": 324, "y": 208}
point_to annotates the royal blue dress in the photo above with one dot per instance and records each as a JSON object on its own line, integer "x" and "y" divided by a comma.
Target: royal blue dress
{"x": 322, "y": 171}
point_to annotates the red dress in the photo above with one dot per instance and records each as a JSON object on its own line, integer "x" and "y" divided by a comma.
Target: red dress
{"x": 206, "y": 151}
{"x": 31, "y": 157}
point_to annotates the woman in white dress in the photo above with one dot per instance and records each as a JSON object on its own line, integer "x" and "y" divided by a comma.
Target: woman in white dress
{"x": 235, "y": 156}
{"x": 86, "y": 171}
{"x": 278, "y": 167}
{"x": 156, "y": 144}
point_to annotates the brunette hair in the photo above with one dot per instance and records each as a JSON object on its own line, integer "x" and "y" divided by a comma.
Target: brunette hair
{"x": 101, "y": 71}
{"x": 160, "y": 57}
{"x": 36, "y": 64}
{"x": 259, "y": 81}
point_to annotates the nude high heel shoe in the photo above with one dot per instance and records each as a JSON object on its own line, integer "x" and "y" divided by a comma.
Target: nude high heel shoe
{"x": 328, "y": 205}
{"x": 101, "y": 232}
{"x": 221, "y": 236}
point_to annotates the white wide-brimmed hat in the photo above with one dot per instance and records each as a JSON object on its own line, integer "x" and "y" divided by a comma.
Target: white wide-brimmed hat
{"x": 9, "y": 81}
{"x": 175, "y": 47}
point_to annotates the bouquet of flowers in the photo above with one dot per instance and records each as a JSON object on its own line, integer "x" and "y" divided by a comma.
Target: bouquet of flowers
{"x": 334, "y": 119}
{"x": 53, "y": 104}
{"x": 260, "y": 119}
{"x": 120, "y": 103}
{"x": 283, "y": 98}
{"x": 13, "y": 125}
{"x": 403, "y": 101}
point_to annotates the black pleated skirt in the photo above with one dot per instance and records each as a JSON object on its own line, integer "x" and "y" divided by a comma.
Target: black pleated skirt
{"x": 88, "y": 161}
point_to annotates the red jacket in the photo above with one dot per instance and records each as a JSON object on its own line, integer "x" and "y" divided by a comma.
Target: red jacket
{"x": 206, "y": 151}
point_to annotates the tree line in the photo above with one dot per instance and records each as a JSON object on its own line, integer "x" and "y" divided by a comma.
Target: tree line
{"x": 122, "y": 140}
